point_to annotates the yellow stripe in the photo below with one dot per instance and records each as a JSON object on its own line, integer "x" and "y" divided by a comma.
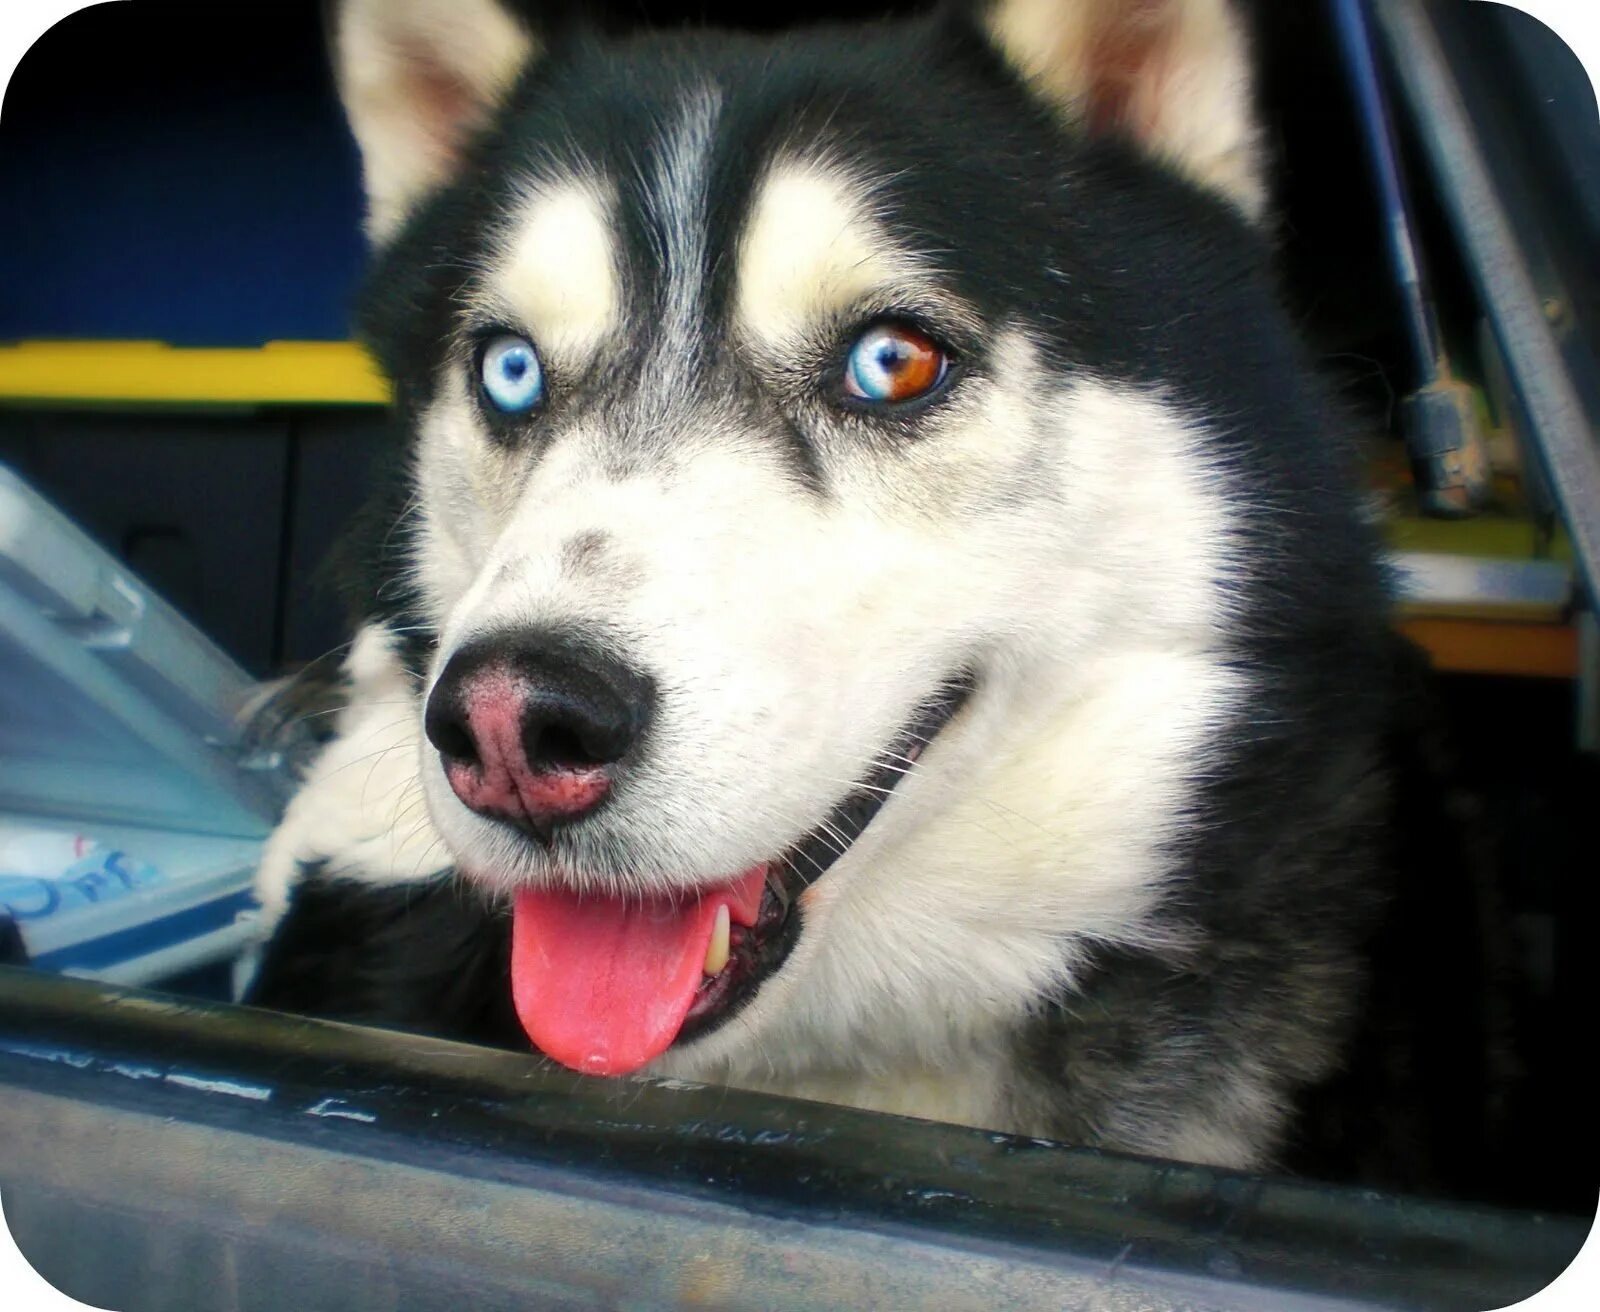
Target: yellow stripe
{"x": 1508, "y": 537}
{"x": 279, "y": 373}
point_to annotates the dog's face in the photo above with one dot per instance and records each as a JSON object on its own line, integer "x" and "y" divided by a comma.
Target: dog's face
{"x": 802, "y": 442}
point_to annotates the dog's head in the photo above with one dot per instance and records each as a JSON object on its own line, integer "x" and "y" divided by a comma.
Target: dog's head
{"x": 807, "y": 432}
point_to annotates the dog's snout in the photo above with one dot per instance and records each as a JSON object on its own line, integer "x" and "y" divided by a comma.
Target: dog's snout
{"x": 533, "y": 728}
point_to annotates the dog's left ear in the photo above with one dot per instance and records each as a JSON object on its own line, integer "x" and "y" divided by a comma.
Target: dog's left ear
{"x": 417, "y": 77}
{"x": 1174, "y": 75}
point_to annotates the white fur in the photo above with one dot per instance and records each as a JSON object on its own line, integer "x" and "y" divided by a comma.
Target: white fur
{"x": 1236, "y": 1128}
{"x": 557, "y": 270}
{"x": 793, "y": 639}
{"x": 973, "y": 892}
{"x": 360, "y": 808}
{"x": 811, "y": 250}
{"x": 678, "y": 199}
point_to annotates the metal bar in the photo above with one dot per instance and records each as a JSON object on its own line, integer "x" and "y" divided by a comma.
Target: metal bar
{"x": 149, "y": 1139}
{"x": 1558, "y": 426}
{"x": 1350, "y": 21}
{"x": 377, "y": 1234}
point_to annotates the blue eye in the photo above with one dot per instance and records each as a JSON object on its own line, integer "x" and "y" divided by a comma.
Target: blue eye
{"x": 893, "y": 362}
{"x": 512, "y": 378}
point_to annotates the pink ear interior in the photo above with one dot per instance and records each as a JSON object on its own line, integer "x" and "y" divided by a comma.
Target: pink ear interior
{"x": 1127, "y": 53}
{"x": 445, "y": 106}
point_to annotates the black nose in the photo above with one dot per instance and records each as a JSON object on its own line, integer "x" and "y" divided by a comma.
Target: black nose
{"x": 534, "y": 725}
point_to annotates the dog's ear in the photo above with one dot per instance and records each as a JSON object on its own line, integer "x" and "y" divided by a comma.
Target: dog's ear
{"x": 1175, "y": 75}
{"x": 417, "y": 77}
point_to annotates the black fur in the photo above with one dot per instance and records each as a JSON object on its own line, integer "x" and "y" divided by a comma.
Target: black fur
{"x": 431, "y": 958}
{"x": 1363, "y": 952}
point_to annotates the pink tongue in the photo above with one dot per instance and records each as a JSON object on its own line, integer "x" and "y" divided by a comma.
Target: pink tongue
{"x": 601, "y": 984}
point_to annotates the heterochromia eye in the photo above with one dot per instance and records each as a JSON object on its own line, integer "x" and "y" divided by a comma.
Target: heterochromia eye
{"x": 893, "y": 362}
{"x": 512, "y": 378}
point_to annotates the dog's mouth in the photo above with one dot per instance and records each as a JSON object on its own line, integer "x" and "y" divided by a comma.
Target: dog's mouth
{"x": 606, "y": 984}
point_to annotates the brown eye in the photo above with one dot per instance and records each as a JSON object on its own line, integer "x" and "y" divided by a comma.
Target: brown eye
{"x": 892, "y": 362}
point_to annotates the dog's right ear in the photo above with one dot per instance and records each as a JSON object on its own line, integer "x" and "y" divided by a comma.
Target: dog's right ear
{"x": 417, "y": 78}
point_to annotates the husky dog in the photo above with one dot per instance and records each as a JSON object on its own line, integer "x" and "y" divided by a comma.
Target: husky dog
{"x": 874, "y": 604}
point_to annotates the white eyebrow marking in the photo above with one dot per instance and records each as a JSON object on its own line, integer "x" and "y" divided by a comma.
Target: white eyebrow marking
{"x": 556, "y": 268}
{"x": 810, "y": 249}
{"x": 678, "y": 200}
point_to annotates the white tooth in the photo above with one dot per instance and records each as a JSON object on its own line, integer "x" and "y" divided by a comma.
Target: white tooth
{"x": 717, "y": 952}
